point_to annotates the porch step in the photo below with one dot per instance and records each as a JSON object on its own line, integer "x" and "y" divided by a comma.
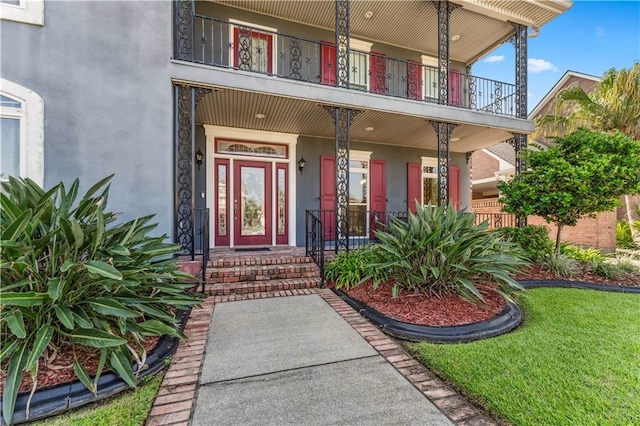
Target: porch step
{"x": 247, "y": 287}
{"x": 262, "y": 272}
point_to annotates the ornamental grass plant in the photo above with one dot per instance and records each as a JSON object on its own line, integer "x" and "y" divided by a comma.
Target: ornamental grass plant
{"x": 72, "y": 276}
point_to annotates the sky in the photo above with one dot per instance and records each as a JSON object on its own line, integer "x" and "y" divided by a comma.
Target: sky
{"x": 589, "y": 38}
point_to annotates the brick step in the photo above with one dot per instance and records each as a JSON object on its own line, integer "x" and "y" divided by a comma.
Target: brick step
{"x": 246, "y": 287}
{"x": 267, "y": 259}
{"x": 261, "y": 272}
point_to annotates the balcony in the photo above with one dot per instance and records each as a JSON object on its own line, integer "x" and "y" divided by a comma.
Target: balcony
{"x": 221, "y": 43}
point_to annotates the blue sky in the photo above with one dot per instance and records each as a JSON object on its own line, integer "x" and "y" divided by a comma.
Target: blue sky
{"x": 591, "y": 37}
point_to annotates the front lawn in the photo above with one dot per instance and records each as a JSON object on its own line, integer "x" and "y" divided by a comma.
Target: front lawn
{"x": 574, "y": 361}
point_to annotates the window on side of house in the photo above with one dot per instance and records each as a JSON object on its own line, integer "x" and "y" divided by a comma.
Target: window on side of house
{"x": 359, "y": 63}
{"x": 429, "y": 181}
{"x": 11, "y": 118}
{"x": 25, "y": 11}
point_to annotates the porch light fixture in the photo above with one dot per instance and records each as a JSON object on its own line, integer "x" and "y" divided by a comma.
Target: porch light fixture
{"x": 368, "y": 15}
{"x": 455, "y": 139}
{"x": 301, "y": 164}
{"x": 368, "y": 129}
{"x": 199, "y": 158}
{"x": 259, "y": 116}
{"x": 455, "y": 37}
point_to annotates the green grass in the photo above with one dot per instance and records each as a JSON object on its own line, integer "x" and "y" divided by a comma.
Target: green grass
{"x": 574, "y": 361}
{"x": 128, "y": 409}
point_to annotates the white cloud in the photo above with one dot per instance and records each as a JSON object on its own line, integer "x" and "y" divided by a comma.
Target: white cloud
{"x": 495, "y": 58}
{"x": 537, "y": 66}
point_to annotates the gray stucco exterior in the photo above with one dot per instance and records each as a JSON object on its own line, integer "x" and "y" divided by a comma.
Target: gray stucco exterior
{"x": 102, "y": 69}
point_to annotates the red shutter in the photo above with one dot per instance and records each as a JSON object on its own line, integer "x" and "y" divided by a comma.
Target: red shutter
{"x": 327, "y": 62}
{"x": 328, "y": 195}
{"x": 378, "y": 191}
{"x": 454, "y": 186}
{"x": 378, "y": 66}
{"x": 414, "y": 80}
{"x": 455, "y": 88}
{"x": 414, "y": 184}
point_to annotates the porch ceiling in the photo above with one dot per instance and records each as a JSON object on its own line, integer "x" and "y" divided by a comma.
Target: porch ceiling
{"x": 232, "y": 108}
{"x": 481, "y": 24}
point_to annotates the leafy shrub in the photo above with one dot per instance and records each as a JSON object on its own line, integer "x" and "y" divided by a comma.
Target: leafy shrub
{"x": 626, "y": 265}
{"x": 533, "y": 240}
{"x": 588, "y": 255}
{"x": 71, "y": 277}
{"x": 624, "y": 238}
{"x": 350, "y": 268}
{"x": 561, "y": 265}
{"x": 441, "y": 251}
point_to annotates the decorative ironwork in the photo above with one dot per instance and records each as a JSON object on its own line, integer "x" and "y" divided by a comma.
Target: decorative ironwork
{"x": 443, "y": 133}
{"x": 519, "y": 41}
{"x": 444, "y": 9}
{"x": 342, "y": 118}
{"x": 184, "y": 10}
{"x": 468, "y": 155}
{"x": 184, "y": 172}
{"x": 519, "y": 144}
{"x": 379, "y": 72}
{"x": 342, "y": 42}
{"x": 315, "y": 241}
{"x": 187, "y": 99}
{"x": 497, "y": 220}
{"x": 295, "y": 66}
{"x": 471, "y": 88}
{"x": 245, "y": 49}
{"x": 497, "y": 93}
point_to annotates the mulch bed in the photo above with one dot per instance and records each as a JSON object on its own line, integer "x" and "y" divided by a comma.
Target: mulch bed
{"x": 62, "y": 368}
{"x": 428, "y": 310}
{"x": 536, "y": 272}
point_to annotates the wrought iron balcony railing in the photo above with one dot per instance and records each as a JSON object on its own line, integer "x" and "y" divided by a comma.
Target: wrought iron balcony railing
{"x": 224, "y": 44}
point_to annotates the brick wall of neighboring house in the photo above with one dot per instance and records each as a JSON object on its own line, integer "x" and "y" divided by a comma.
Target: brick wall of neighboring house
{"x": 622, "y": 210}
{"x": 597, "y": 232}
{"x": 483, "y": 165}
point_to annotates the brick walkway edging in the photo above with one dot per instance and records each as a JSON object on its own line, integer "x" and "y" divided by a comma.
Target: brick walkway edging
{"x": 456, "y": 407}
{"x": 175, "y": 401}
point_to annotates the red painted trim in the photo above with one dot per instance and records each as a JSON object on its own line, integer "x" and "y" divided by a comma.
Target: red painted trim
{"x": 414, "y": 186}
{"x": 378, "y": 191}
{"x": 327, "y": 57}
{"x": 221, "y": 240}
{"x": 454, "y": 186}
{"x": 254, "y": 34}
{"x": 252, "y": 142}
{"x": 377, "y": 60}
{"x": 282, "y": 238}
{"x": 268, "y": 189}
{"x": 417, "y": 66}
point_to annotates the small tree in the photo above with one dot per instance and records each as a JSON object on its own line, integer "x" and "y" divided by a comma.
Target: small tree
{"x": 585, "y": 173}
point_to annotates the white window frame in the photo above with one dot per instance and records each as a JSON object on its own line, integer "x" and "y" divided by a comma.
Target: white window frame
{"x": 31, "y": 115}
{"x": 27, "y": 12}
{"x": 360, "y": 46}
{"x": 429, "y": 61}
{"x": 427, "y": 162}
{"x": 362, "y": 156}
{"x": 232, "y": 48}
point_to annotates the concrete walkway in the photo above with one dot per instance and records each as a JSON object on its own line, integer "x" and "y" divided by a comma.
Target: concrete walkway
{"x": 296, "y": 361}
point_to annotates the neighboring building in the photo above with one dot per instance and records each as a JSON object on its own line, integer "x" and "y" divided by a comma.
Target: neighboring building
{"x": 496, "y": 163}
{"x": 253, "y": 88}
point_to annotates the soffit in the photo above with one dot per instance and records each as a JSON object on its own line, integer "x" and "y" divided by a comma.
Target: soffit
{"x": 287, "y": 115}
{"x": 482, "y": 25}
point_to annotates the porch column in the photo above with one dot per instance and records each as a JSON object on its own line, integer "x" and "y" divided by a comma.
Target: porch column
{"x": 519, "y": 41}
{"x": 342, "y": 42}
{"x": 443, "y": 9}
{"x": 183, "y": 29}
{"x": 186, "y": 101}
{"x": 443, "y": 134}
{"x": 519, "y": 143}
{"x": 342, "y": 118}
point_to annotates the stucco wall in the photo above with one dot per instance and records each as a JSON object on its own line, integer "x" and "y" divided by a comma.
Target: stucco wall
{"x": 102, "y": 69}
{"x": 308, "y": 185}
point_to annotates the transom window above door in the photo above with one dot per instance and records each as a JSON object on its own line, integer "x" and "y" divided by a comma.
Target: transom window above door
{"x": 253, "y": 149}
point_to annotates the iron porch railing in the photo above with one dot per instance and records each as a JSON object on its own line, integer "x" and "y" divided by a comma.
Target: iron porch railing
{"x": 200, "y": 240}
{"x": 220, "y": 43}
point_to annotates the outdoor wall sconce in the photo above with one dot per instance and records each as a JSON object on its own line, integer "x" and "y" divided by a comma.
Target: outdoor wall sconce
{"x": 199, "y": 158}
{"x": 301, "y": 164}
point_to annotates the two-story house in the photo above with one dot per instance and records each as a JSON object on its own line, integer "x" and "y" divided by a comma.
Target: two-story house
{"x": 262, "y": 110}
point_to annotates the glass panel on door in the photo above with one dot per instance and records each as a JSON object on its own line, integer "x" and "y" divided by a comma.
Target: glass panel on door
{"x": 253, "y": 206}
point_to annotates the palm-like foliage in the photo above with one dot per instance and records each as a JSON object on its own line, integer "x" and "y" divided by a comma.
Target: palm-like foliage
{"x": 614, "y": 104}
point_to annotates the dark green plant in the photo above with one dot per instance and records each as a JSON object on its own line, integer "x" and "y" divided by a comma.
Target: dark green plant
{"x": 561, "y": 265}
{"x": 440, "y": 251}
{"x": 72, "y": 277}
{"x": 585, "y": 255}
{"x": 585, "y": 173}
{"x": 624, "y": 238}
{"x": 349, "y": 269}
{"x": 533, "y": 240}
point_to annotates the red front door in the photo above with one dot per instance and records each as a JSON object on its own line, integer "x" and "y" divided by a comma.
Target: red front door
{"x": 252, "y": 203}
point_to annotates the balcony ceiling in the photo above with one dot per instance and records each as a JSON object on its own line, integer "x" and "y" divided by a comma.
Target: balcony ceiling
{"x": 481, "y": 24}
{"x": 233, "y": 108}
